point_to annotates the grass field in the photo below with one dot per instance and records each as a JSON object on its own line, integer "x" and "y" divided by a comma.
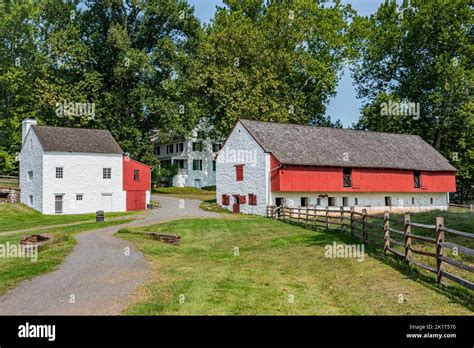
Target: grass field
{"x": 186, "y": 192}
{"x": 253, "y": 265}
{"x": 211, "y": 205}
{"x": 15, "y": 270}
{"x": 19, "y": 216}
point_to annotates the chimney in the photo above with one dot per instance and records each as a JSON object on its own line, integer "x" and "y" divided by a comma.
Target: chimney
{"x": 25, "y": 127}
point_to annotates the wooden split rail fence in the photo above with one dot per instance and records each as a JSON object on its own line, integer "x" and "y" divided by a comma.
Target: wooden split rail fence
{"x": 358, "y": 224}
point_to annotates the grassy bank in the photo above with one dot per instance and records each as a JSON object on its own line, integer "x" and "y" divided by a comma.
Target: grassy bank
{"x": 254, "y": 265}
{"x": 186, "y": 192}
{"x": 19, "y": 216}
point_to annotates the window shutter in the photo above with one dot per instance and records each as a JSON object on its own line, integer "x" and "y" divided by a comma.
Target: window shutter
{"x": 254, "y": 201}
{"x": 239, "y": 172}
{"x": 242, "y": 199}
{"x": 250, "y": 198}
{"x": 224, "y": 199}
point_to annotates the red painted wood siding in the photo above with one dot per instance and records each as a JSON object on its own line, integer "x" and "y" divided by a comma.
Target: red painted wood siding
{"x": 136, "y": 189}
{"x": 129, "y": 184}
{"x": 329, "y": 179}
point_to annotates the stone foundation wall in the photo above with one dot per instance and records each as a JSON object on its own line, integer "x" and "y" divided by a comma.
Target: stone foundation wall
{"x": 9, "y": 195}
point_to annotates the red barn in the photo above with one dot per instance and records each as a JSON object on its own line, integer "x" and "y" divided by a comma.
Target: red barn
{"x": 268, "y": 163}
{"x": 136, "y": 184}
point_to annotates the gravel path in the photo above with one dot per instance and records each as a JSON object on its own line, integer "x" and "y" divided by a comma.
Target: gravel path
{"x": 100, "y": 275}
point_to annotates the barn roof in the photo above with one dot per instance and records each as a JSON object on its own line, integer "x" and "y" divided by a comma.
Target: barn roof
{"x": 64, "y": 139}
{"x": 323, "y": 146}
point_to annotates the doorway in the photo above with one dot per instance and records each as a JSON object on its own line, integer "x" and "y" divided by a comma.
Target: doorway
{"x": 106, "y": 202}
{"x": 197, "y": 183}
{"x": 236, "y": 205}
{"x": 58, "y": 204}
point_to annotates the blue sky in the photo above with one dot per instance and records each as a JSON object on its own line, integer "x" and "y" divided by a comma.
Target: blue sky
{"x": 344, "y": 106}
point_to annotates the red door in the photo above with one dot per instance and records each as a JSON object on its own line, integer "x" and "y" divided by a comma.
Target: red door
{"x": 236, "y": 205}
{"x": 136, "y": 200}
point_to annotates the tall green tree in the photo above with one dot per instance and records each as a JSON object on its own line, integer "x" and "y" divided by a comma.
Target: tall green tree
{"x": 421, "y": 52}
{"x": 274, "y": 60}
{"x": 128, "y": 59}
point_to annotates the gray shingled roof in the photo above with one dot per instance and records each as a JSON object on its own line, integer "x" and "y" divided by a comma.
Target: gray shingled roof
{"x": 323, "y": 146}
{"x": 76, "y": 140}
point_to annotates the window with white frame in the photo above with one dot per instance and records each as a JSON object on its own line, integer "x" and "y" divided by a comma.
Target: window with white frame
{"x": 30, "y": 175}
{"x": 59, "y": 172}
{"x": 107, "y": 173}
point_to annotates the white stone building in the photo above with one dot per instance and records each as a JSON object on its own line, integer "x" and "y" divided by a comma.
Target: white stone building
{"x": 195, "y": 156}
{"x": 72, "y": 170}
{"x": 274, "y": 164}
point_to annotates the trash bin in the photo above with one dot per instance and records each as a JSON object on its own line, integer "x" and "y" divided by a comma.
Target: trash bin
{"x": 99, "y": 215}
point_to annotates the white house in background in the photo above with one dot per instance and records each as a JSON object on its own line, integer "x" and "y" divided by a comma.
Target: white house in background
{"x": 277, "y": 164}
{"x": 76, "y": 170}
{"x": 195, "y": 156}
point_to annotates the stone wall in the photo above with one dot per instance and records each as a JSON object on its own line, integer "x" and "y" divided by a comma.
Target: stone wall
{"x": 9, "y": 195}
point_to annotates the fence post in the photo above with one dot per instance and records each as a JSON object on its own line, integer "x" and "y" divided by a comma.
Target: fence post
{"x": 299, "y": 214}
{"x": 407, "y": 238}
{"x": 315, "y": 216}
{"x": 439, "y": 247}
{"x": 386, "y": 234}
{"x": 471, "y": 207}
{"x": 352, "y": 221}
{"x": 365, "y": 237}
{"x": 327, "y": 218}
{"x": 342, "y": 219}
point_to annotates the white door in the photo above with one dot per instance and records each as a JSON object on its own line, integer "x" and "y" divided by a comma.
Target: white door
{"x": 197, "y": 183}
{"x": 106, "y": 203}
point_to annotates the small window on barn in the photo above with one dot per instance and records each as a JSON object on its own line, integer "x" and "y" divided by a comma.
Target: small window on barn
{"x": 31, "y": 144}
{"x": 107, "y": 173}
{"x": 30, "y": 175}
{"x": 356, "y": 201}
{"x": 332, "y": 201}
{"x": 214, "y": 165}
{"x": 347, "y": 177}
{"x": 136, "y": 175}
{"x": 388, "y": 201}
{"x": 59, "y": 172}
{"x": 431, "y": 200}
{"x": 304, "y": 201}
{"x": 30, "y": 199}
{"x": 345, "y": 201}
{"x": 79, "y": 197}
{"x": 197, "y": 164}
{"x": 417, "y": 179}
{"x": 239, "y": 172}
{"x": 413, "y": 201}
{"x": 318, "y": 201}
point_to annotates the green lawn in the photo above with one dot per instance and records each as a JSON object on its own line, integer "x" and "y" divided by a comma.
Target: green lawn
{"x": 186, "y": 192}
{"x": 211, "y": 205}
{"x": 19, "y": 216}
{"x": 281, "y": 269}
{"x": 15, "y": 270}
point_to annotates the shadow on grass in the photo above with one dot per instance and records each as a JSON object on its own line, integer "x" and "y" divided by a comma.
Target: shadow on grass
{"x": 455, "y": 293}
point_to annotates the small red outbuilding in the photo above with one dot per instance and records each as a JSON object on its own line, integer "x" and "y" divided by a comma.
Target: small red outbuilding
{"x": 136, "y": 184}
